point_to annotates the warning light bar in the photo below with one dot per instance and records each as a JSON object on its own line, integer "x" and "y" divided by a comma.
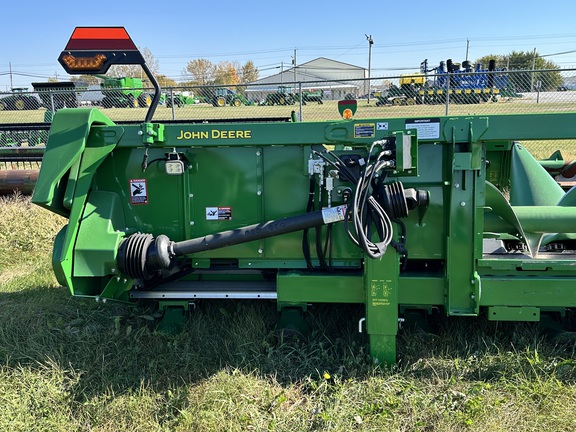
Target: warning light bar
{"x": 92, "y": 50}
{"x": 84, "y": 63}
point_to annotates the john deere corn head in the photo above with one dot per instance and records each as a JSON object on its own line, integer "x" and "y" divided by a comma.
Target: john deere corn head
{"x": 402, "y": 215}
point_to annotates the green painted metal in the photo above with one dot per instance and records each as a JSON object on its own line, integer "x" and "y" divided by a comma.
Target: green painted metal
{"x": 381, "y": 290}
{"x": 530, "y": 184}
{"x": 297, "y": 287}
{"x": 240, "y": 174}
{"x": 175, "y": 316}
{"x": 507, "y": 313}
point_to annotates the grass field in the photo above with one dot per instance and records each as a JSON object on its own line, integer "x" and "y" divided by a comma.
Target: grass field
{"x": 329, "y": 111}
{"x": 72, "y": 364}
{"x": 315, "y": 112}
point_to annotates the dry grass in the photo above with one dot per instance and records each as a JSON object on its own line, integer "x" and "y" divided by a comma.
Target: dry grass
{"x": 26, "y": 235}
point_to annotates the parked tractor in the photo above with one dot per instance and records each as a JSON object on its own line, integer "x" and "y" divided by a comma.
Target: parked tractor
{"x": 220, "y": 97}
{"x": 19, "y": 100}
{"x": 180, "y": 99}
{"x": 284, "y": 96}
{"x": 406, "y": 217}
{"x": 311, "y": 95}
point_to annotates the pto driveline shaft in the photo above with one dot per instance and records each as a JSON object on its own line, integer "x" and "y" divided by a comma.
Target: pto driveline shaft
{"x": 140, "y": 256}
{"x": 260, "y": 231}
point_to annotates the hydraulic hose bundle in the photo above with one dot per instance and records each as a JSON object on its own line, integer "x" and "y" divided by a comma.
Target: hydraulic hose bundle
{"x": 371, "y": 203}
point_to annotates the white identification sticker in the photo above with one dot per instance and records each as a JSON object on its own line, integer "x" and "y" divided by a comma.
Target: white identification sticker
{"x": 333, "y": 214}
{"x": 428, "y": 128}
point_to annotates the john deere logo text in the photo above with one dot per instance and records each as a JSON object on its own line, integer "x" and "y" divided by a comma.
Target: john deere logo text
{"x": 215, "y": 134}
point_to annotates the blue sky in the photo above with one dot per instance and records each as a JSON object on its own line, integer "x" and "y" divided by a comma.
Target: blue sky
{"x": 404, "y": 32}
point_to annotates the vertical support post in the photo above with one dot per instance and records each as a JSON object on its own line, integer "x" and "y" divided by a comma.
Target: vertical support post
{"x": 447, "y": 90}
{"x": 466, "y": 222}
{"x": 381, "y": 288}
{"x": 172, "y": 103}
{"x": 300, "y": 97}
{"x": 52, "y": 101}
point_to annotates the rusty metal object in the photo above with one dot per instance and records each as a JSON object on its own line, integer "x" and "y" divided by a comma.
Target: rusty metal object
{"x": 564, "y": 174}
{"x": 19, "y": 180}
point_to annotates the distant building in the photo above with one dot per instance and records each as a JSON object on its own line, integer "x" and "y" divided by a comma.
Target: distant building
{"x": 334, "y": 77}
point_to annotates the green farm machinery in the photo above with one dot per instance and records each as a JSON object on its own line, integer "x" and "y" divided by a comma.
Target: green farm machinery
{"x": 124, "y": 92}
{"x": 221, "y": 96}
{"x": 180, "y": 99}
{"x": 283, "y": 96}
{"x": 313, "y": 95}
{"x": 405, "y": 216}
{"x": 19, "y": 100}
{"x": 287, "y": 95}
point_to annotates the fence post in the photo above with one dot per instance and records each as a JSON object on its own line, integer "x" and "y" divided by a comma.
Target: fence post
{"x": 172, "y": 103}
{"x": 51, "y": 100}
{"x": 447, "y": 93}
{"x": 300, "y": 96}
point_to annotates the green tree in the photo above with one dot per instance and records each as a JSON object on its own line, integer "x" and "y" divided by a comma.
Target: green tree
{"x": 527, "y": 70}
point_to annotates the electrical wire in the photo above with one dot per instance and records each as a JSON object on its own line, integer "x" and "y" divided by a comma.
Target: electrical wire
{"x": 364, "y": 210}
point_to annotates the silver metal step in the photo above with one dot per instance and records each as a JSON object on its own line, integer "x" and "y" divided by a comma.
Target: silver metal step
{"x": 190, "y": 290}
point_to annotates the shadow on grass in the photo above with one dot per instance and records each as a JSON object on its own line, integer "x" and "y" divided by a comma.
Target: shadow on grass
{"x": 115, "y": 347}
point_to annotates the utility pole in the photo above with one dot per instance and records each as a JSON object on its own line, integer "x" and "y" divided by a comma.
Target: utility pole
{"x": 294, "y": 64}
{"x": 11, "y": 83}
{"x": 467, "y": 48}
{"x": 370, "y": 43}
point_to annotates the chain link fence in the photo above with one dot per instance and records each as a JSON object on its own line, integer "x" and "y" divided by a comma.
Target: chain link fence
{"x": 462, "y": 92}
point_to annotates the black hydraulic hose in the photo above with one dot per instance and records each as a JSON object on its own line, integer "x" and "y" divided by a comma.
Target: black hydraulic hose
{"x": 305, "y": 241}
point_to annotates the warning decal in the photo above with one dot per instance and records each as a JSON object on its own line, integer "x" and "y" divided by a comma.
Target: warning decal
{"x": 138, "y": 191}
{"x": 428, "y": 128}
{"x": 218, "y": 213}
